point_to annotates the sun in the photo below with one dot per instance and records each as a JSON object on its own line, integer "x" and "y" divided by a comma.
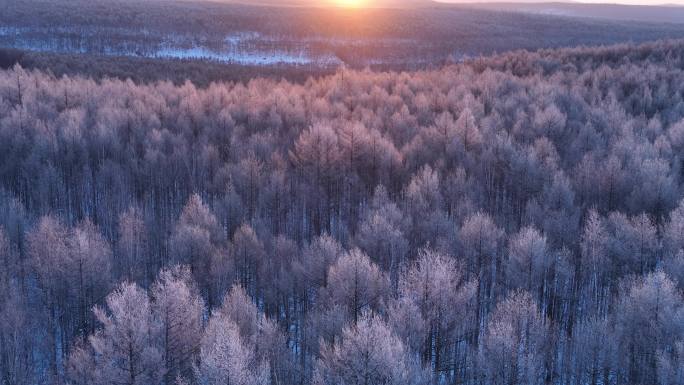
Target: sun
{"x": 350, "y": 3}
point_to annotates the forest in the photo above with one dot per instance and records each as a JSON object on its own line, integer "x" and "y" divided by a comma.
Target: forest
{"x": 211, "y": 41}
{"x": 508, "y": 220}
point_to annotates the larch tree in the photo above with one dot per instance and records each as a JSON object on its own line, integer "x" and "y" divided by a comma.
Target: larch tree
{"x": 229, "y": 349}
{"x": 592, "y": 267}
{"x": 528, "y": 261}
{"x": 48, "y": 254}
{"x": 367, "y": 353}
{"x": 179, "y": 309}
{"x": 648, "y": 320}
{"x": 381, "y": 232}
{"x": 516, "y": 342}
{"x": 249, "y": 254}
{"x": 127, "y": 347}
{"x": 437, "y": 285}
{"x": 316, "y": 258}
{"x": 594, "y": 356}
{"x": 131, "y": 248}
{"x": 196, "y": 240}
{"x": 316, "y": 156}
{"x": 356, "y": 284}
{"x": 481, "y": 241}
{"x": 225, "y": 358}
{"x": 90, "y": 263}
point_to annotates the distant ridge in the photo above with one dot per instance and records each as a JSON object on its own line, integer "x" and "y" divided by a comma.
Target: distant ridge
{"x": 666, "y": 13}
{"x": 330, "y": 3}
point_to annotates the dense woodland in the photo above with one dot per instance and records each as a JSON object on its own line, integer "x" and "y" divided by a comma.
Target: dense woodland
{"x": 511, "y": 220}
{"x": 119, "y": 38}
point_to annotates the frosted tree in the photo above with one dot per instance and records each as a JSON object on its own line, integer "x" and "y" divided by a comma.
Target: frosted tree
{"x": 593, "y": 247}
{"x": 381, "y": 232}
{"x": 481, "y": 242}
{"x": 356, "y": 284}
{"x": 424, "y": 203}
{"x": 354, "y": 142}
{"x": 481, "y": 239}
{"x": 249, "y": 254}
{"x": 316, "y": 259}
{"x": 406, "y": 319}
{"x": 90, "y": 262}
{"x": 446, "y": 135}
{"x": 227, "y": 353}
{"x": 248, "y": 178}
{"x": 226, "y": 358}
{"x": 238, "y": 307}
{"x": 516, "y": 342}
{"x": 126, "y": 349}
{"x": 316, "y": 156}
{"x": 196, "y": 242}
{"x": 368, "y": 353}
{"x": 632, "y": 243}
{"x": 467, "y": 131}
{"x": 674, "y": 266}
{"x": 528, "y": 261}
{"x": 648, "y": 319}
{"x": 260, "y": 335}
{"x": 673, "y": 232}
{"x": 132, "y": 246}
{"x": 594, "y": 353}
{"x": 48, "y": 253}
{"x": 277, "y": 275}
{"x": 550, "y": 122}
{"x": 560, "y": 216}
{"x": 179, "y": 310}
{"x": 48, "y": 250}
{"x": 19, "y": 336}
{"x": 436, "y": 284}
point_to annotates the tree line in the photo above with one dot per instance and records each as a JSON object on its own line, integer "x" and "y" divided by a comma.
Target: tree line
{"x": 509, "y": 220}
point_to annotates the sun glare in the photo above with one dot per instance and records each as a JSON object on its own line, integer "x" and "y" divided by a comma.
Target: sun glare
{"x": 349, "y": 3}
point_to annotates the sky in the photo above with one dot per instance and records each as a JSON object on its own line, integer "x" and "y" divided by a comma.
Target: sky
{"x": 632, "y": 2}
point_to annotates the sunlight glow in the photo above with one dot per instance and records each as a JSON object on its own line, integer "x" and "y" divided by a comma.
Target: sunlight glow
{"x": 350, "y": 3}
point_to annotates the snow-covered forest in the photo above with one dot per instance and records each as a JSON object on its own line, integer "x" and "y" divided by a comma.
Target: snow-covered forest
{"x": 226, "y": 40}
{"x": 510, "y": 220}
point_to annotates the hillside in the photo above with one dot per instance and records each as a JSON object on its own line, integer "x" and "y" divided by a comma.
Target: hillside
{"x": 513, "y": 219}
{"x": 208, "y": 41}
{"x": 639, "y": 13}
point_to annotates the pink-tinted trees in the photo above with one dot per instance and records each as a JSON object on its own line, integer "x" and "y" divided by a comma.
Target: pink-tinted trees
{"x": 179, "y": 310}
{"x": 90, "y": 262}
{"x": 73, "y": 270}
{"x": 648, "y": 321}
{"x": 125, "y": 349}
{"x": 381, "y": 232}
{"x": 593, "y": 264}
{"x": 356, "y": 284}
{"x": 367, "y": 353}
{"x": 593, "y": 357}
{"x": 516, "y": 342}
{"x": 528, "y": 261}
{"x": 132, "y": 250}
{"x": 316, "y": 157}
{"x": 227, "y": 358}
{"x": 196, "y": 241}
{"x": 249, "y": 254}
{"x": 426, "y": 197}
{"x": 316, "y": 258}
{"x": 437, "y": 286}
{"x": 480, "y": 240}
{"x": 242, "y": 346}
